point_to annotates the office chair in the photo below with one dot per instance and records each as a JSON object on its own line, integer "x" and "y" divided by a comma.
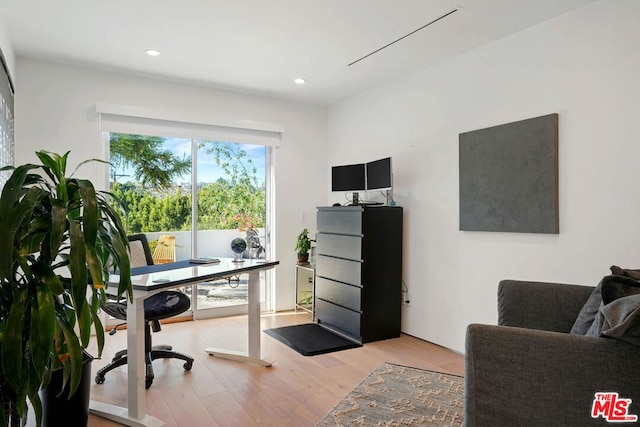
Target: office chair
{"x": 158, "y": 306}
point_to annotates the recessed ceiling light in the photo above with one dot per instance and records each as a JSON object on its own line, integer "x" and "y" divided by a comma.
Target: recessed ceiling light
{"x": 299, "y": 81}
{"x": 152, "y": 52}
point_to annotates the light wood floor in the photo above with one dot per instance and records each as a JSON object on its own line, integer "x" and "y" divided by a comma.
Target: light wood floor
{"x": 296, "y": 391}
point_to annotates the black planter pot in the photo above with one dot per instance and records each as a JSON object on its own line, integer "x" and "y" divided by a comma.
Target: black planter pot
{"x": 61, "y": 411}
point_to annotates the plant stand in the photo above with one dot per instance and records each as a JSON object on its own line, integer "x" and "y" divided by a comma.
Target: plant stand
{"x": 305, "y": 288}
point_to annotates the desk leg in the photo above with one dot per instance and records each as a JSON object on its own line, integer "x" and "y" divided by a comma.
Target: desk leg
{"x": 135, "y": 414}
{"x": 253, "y": 355}
{"x": 135, "y": 351}
{"x": 254, "y": 314}
{"x": 120, "y": 415}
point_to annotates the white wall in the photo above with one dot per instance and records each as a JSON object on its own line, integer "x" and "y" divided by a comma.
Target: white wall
{"x": 7, "y": 51}
{"x": 584, "y": 66}
{"x": 54, "y": 111}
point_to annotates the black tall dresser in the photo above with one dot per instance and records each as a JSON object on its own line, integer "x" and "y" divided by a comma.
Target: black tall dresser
{"x": 359, "y": 271}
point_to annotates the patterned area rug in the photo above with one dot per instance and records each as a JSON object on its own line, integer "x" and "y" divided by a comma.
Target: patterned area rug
{"x": 395, "y": 395}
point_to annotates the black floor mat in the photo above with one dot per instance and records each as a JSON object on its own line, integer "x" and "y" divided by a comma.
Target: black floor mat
{"x": 310, "y": 339}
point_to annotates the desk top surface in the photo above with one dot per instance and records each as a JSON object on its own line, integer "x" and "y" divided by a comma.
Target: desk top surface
{"x": 159, "y": 276}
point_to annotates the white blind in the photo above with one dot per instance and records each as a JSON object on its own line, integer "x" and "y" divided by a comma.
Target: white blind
{"x": 143, "y": 121}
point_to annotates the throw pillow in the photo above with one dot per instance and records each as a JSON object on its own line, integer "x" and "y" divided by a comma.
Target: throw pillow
{"x": 587, "y": 314}
{"x": 615, "y": 287}
{"x": 626, "y": 272}
{"x": 621, "y": 319}
{"x": 618, "y": 313}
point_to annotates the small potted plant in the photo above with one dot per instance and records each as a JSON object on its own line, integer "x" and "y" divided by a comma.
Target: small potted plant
{"x": 303, "y": 245}
{"x": 59, "y": 239}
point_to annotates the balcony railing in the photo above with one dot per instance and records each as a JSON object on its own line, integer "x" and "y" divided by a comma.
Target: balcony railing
{"x": 211, "y": 243}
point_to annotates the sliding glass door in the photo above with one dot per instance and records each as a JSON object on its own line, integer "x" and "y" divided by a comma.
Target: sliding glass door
{"x": 231, "y": 195}
{"x": 192, "y": 198}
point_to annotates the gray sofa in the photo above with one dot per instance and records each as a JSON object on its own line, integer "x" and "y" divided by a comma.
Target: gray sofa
{"x": 529, "y": 371}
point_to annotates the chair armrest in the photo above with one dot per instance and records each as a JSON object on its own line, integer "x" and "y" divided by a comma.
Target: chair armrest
{"x": 540, "y": 305}
{"x": 524, "y": 377}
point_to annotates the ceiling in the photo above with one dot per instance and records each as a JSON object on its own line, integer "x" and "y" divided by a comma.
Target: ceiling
{"x": 259, "y": 46}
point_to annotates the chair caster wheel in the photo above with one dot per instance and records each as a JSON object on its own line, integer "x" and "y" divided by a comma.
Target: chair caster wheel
{"x": 99, "y": 379}
{"x": 148, "y": 382}
{"x": 187, "y": 366}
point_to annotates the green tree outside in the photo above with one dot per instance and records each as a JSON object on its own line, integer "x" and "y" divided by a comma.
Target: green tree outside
{"x": 236, "y": 201}
{"x": 153, "y": 165}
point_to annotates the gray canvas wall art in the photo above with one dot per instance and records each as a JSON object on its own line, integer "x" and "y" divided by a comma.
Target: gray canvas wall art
{"x": 509, "y": 177}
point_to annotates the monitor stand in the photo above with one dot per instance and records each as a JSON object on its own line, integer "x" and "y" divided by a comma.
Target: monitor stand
{"x": 355, "y": 201}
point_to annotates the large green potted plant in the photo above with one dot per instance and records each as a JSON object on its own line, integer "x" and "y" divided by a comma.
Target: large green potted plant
{"x": 59, "y": 239}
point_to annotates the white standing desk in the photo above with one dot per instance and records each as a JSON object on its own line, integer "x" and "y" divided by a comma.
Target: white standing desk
{"x": 153, "y": 279}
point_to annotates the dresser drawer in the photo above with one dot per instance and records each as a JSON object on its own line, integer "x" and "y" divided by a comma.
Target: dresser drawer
{"x": 339, "y": 245}
{"x": 342, "y": 270}
{"x": 339, "y": 293}
{"x": 340, "y": 221}
{"x": 339, "y": 317}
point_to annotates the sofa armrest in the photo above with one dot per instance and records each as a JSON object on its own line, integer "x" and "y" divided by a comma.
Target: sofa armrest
{"x": 540, "y": 305}
{"x": 524, "y": 377}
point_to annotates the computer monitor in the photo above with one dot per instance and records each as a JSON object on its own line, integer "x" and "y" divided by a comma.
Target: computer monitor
{"x": 379, "y": 174}
{"x": 348, "y": 178}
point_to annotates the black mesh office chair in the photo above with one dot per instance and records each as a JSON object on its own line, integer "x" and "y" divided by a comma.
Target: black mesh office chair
{"x": 158, "y": 306}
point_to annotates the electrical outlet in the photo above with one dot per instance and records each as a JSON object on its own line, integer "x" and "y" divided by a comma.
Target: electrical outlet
{"x": 303, "y": 217}
{"x": 407, "y": 299}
